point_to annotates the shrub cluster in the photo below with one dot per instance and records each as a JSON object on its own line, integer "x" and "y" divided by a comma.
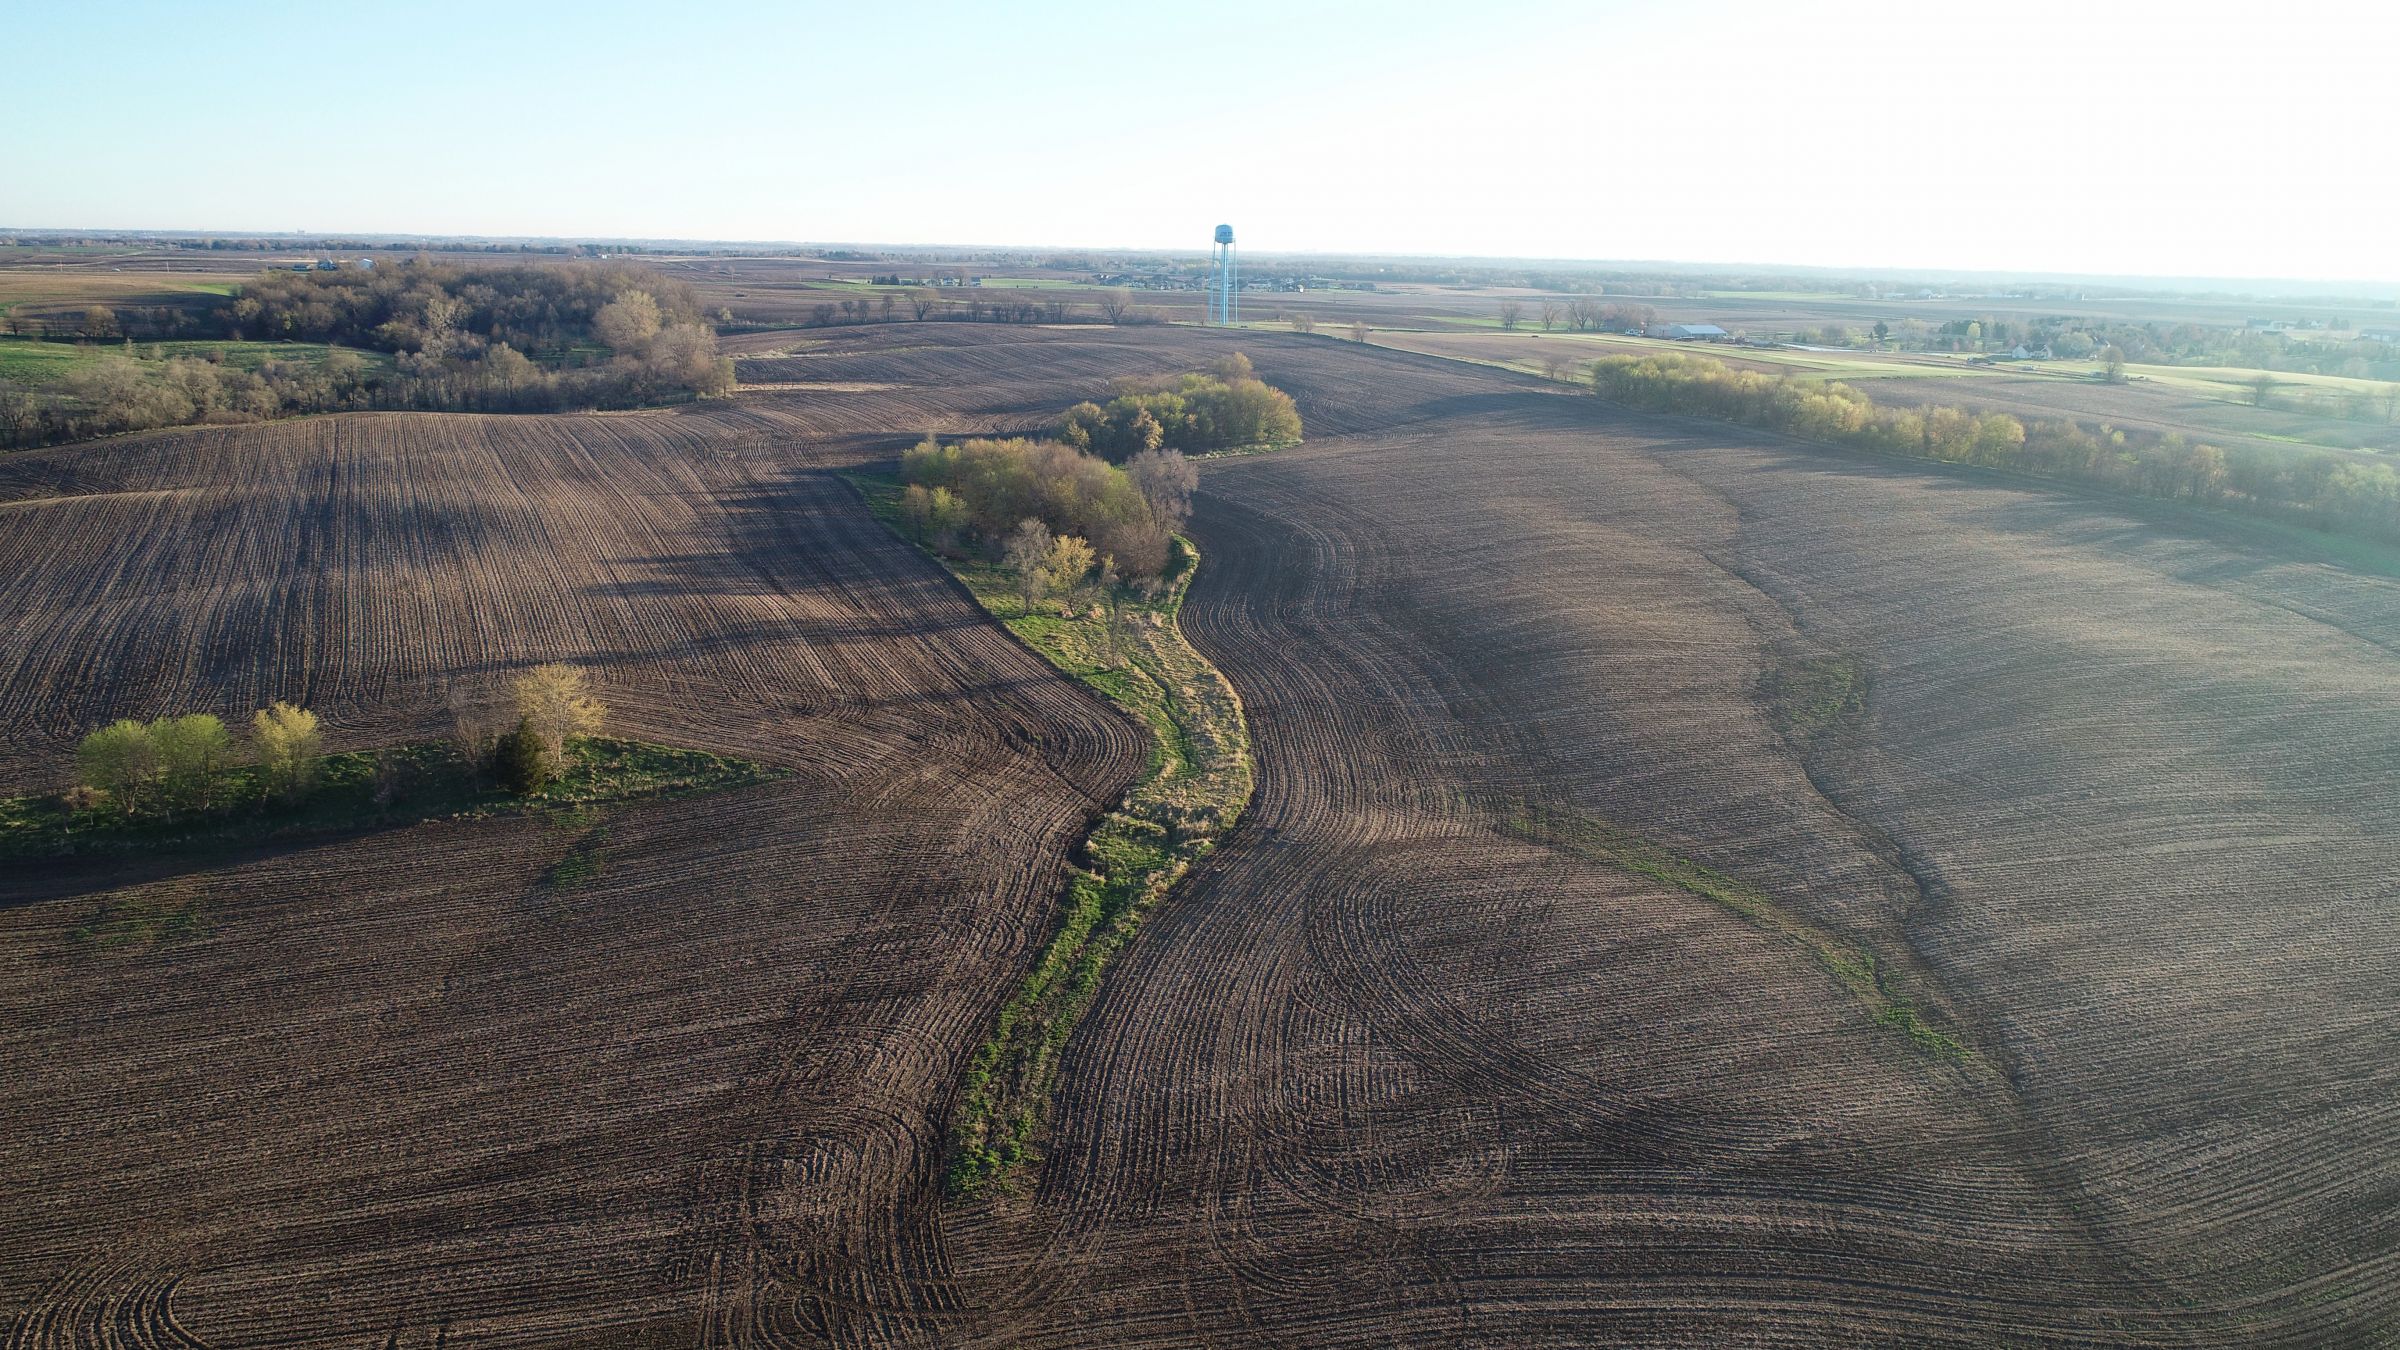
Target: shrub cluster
{"x": 980, "y": 491}
{"x": 1225, "y": 406}
{"x": 2321, "y": 488}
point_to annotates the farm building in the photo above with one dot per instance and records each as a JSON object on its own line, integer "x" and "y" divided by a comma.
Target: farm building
{"x": 1690, "y": 332}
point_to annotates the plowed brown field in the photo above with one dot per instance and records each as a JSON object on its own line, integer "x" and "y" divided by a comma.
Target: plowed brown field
{"x": 2115, "y": 810}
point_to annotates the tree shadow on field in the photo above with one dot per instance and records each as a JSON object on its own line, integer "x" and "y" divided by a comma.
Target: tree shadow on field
{"x": 794, "y": 536}
{"x": 806, "y": 537}
{"x": 42, "y": 880}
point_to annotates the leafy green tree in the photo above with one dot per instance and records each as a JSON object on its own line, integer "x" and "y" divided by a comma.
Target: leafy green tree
{"x": 522, "y": 760}
{"x": 120, "y": 760}
{"x": 192, "y": 750}
{"x": 1233, "y": 368}
{"x": 1068, "y": 563}
{"x": 916, "y": 507}
{"x": 288, "y": 745}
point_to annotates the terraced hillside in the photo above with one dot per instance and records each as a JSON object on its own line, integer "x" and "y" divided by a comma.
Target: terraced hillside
{"x": 1700, "y": 891}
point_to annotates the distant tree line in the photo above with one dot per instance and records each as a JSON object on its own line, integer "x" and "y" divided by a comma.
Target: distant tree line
{"x": 925, "y": 304}
{"x": 2331, "y": 350}
{"x": 2324, "y": 489}
{"x": 1224, "y": 406}
{"x": 461, "y": 337}
{"x": 1591, "y": 316}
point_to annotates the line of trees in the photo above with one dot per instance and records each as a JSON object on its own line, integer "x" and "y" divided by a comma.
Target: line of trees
{"x": 1583, "y": 316}
{"x": 182, "y": 765}
{"x": 460, "y": 338}
{"x": 924, "y": 304}
{"x": 2322, "y": 488}
{"x": 1225, "y": 406}
{"x": 176, "y": 765}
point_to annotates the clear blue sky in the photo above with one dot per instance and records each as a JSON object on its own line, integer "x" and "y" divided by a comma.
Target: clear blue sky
{"x": 2183, "y": 138}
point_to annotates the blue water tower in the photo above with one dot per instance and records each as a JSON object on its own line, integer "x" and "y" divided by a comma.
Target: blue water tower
{"x": 1227, "y": 311}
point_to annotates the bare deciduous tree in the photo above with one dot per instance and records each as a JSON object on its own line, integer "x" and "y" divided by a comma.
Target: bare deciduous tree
{"x": 1027, "y": 559}
{"x": 553, "y": 700}
{"x": 1166, "y": 481}
{"x": 628, "y": 322}
{"x": 1511, "y": 313}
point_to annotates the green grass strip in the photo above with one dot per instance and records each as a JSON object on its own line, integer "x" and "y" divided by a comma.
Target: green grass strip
{"x": 1851, "y": 965}
{"x": 1195, "y": 785}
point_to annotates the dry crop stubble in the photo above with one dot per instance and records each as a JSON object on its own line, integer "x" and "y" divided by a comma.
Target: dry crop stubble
{"x": 2139, "y": 865}
{"x": 411, "y": 1081}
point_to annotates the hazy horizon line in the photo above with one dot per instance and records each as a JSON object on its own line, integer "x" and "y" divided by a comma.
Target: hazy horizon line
{"x": 1200, "y": 251}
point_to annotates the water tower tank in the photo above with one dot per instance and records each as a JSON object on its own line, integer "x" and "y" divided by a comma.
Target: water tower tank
{"x": 1224, "y": 234}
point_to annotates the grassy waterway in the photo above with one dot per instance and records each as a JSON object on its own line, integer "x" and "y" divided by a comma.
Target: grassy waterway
{"x": 1196, "y": 783}
{"x": 1851, "y": 965}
